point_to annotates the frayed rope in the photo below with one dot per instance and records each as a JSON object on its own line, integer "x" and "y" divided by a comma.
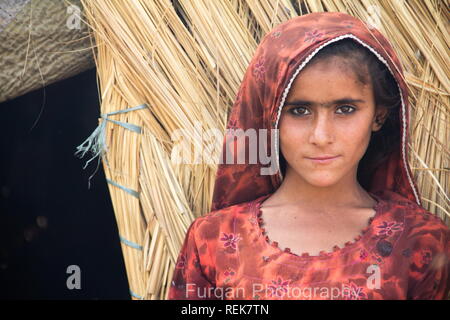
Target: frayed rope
{"x": 96, "y": 142}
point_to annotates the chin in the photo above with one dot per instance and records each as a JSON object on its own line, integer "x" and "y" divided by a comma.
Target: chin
{"x": 321, "y": 180}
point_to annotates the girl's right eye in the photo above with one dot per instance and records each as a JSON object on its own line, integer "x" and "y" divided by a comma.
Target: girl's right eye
{"x": 299, "y": 111}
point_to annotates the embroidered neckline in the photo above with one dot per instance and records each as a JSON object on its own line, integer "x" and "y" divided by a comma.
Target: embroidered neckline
{"x": 323, "y": 253}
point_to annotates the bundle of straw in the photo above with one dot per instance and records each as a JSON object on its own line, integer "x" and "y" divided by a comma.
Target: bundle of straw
{"x": 184, "y": 60}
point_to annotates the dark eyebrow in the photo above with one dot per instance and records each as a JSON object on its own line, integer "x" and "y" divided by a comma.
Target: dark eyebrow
{"x": 312, "y": 103}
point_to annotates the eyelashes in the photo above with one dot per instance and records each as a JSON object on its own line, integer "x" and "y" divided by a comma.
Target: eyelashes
{"x": 300, "y": 111}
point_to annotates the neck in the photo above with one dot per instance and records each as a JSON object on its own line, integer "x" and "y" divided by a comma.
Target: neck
{"x": 294, "y": 190}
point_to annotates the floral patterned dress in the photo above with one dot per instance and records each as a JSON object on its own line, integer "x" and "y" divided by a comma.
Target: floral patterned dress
{"x": 402, "y": 253}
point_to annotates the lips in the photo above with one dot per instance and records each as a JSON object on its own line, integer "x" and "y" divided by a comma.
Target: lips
{"x": 322, "y": 157}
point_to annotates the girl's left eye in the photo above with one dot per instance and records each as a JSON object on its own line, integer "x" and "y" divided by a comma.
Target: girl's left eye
{"x": 346, "y": 109}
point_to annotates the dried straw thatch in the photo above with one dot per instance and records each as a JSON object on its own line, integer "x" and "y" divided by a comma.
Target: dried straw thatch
{"x": 185, "y": 59}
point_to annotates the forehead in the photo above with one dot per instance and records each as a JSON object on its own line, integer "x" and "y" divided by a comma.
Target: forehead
{"x": 331, "y": 78}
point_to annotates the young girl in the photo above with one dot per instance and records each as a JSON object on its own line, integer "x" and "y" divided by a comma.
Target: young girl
{"x": 341, "y": 218}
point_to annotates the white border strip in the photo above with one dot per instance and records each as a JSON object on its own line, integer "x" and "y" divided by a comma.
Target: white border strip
{"x": 288, "y": 87}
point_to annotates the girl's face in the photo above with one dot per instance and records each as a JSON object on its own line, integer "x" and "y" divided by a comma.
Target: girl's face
{"x": 328, "y": 113}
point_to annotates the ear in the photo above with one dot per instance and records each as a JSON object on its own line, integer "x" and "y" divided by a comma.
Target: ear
{"x": 379, "y": 117}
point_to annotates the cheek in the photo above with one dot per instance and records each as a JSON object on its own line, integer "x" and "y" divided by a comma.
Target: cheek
{"x": 354, "y": 137}
{"x": 292, "y": 136}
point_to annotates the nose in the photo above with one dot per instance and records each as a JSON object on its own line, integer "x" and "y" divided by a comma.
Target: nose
{"x": 322, "y": 131}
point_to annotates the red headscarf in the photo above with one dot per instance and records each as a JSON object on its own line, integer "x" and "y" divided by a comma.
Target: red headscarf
{"x": 280, "y": 56}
